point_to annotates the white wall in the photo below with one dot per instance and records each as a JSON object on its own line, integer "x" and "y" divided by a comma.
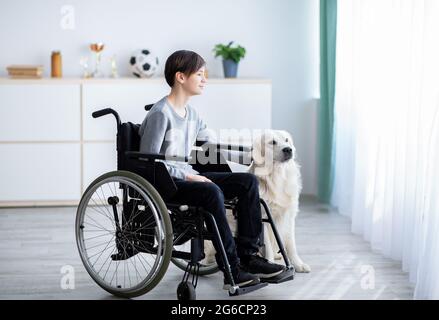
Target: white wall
{"x": 281, "y": 38}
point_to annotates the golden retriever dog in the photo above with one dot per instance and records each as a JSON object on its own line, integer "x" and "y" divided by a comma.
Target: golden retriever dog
{"x": 280, "y": 184}
{"x": 274, "y": 164}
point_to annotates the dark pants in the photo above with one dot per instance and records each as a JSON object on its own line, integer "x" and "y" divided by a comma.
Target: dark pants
{"x": 211, "y": 197}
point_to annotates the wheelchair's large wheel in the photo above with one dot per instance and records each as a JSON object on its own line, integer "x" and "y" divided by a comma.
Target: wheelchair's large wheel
{"x": 124, "y": 234}
{"x": 205, "y": 269}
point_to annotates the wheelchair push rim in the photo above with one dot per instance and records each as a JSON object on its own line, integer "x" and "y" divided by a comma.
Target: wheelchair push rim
{"x": 124, "y": 234}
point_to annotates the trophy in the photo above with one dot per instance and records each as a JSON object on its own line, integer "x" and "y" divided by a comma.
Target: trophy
{"x": 84, "y": 64}
{"x": 97, "y": 48}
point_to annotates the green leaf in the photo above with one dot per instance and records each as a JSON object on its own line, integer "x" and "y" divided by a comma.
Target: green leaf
{"x": 229, "y": 52}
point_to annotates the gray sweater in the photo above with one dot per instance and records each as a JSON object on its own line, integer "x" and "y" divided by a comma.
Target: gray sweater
{"x": 165, "y": 132}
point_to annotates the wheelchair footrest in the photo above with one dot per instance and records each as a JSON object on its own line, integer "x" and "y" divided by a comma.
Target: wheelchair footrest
{"x": 287, "y": 275}
{"x": 243, "y": 290}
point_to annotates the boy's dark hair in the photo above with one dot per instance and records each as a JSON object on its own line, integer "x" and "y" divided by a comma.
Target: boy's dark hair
{"x": 185, "y": 61}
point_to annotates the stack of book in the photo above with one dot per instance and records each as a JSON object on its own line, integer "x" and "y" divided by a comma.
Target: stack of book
{"x": 25, "y": 71}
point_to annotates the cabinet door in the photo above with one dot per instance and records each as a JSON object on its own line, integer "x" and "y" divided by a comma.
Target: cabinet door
{"x": 40, "y": 172}
{"x": 39, "y": 112}
{"x": 99, "y": 158}
{"x": 128, "y": 100}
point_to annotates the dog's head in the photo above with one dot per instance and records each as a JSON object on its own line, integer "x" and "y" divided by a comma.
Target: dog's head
{"x": 273, "y": 147}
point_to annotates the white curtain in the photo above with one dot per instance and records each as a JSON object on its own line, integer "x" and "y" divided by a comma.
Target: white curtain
{"x": 387, "y": 131}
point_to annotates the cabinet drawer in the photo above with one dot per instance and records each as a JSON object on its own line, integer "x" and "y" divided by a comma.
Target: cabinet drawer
{"x": 40, "y": 172}
{"x": 36, "y": 112}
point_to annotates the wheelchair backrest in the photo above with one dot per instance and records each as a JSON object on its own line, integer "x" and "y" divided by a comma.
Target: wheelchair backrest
{"x": 128, "y": 139}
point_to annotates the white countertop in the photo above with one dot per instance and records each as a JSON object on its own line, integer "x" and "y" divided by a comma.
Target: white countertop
{"x": 122, "y": 80}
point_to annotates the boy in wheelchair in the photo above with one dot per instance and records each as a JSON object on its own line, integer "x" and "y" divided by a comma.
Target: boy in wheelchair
{"x": 171, "y": 127}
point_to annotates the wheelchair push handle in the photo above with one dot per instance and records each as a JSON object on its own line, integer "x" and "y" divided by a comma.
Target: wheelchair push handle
{"x": 104, "y": 112}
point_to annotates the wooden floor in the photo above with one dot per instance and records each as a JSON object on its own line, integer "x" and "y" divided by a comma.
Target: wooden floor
{"x": 35, "y": 244}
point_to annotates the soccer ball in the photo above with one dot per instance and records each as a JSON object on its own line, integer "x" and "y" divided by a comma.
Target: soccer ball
{"x": 143, "y": 63}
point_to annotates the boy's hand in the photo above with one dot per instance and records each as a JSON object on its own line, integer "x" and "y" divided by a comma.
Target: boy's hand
{"x": 197, "y": 178}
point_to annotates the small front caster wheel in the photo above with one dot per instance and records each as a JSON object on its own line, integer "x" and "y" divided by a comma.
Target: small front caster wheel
{"x": 186, "y": 291}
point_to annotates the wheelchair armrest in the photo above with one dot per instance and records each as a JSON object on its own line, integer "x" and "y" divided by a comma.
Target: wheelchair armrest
{"x": 152, "y": 156}
{"x": 226, "y": 152}
{"x": 222, "y": 146}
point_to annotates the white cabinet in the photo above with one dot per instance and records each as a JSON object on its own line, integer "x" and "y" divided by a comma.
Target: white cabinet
{"x": 51, "y": 148}
{"x": 99, "y": 158}
{"x": 40, "y": 172}
{"x": 39, "y": 112}
{"x": 40, "y": 143}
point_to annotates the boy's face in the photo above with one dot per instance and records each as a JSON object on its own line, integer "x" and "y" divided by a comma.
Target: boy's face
{"x": 194, "y": 84}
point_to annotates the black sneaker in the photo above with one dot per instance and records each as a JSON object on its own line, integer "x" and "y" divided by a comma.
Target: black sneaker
{"x": 241, "y": 279}
{"x": 261, "y": 267}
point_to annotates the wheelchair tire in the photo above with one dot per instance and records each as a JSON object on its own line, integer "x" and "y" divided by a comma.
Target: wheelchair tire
{"x": 205, "y": 269}
{"x": 186, "y": 291}
{"x": 138, "y": 234}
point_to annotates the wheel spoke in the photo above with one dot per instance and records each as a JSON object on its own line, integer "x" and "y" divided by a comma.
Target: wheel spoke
{"x": 102, "y": 212}
{"x": 99, "y": 227}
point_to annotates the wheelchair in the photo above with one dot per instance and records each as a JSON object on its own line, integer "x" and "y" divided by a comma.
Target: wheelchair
{"x": 128, "y": 231}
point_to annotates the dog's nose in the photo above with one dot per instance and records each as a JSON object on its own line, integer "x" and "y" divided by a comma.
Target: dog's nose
{"x": 287, "y": 150}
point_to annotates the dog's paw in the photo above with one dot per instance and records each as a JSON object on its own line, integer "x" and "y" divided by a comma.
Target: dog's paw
{"x": 302, "y": 268}
{"x": 277, "y": 256}
{"x": 269, "y": 257}
{"x": 208, "y": 260}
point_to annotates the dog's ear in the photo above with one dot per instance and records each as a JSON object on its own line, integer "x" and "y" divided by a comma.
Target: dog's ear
{"x": 286, "y": 135}
{"x": 258, "y": 152}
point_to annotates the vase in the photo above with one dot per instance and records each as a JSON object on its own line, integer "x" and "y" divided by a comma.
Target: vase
{"x": 230, "y": 68}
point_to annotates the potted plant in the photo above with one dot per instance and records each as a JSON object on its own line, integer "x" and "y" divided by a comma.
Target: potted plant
{"x": 231, "y": 57}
